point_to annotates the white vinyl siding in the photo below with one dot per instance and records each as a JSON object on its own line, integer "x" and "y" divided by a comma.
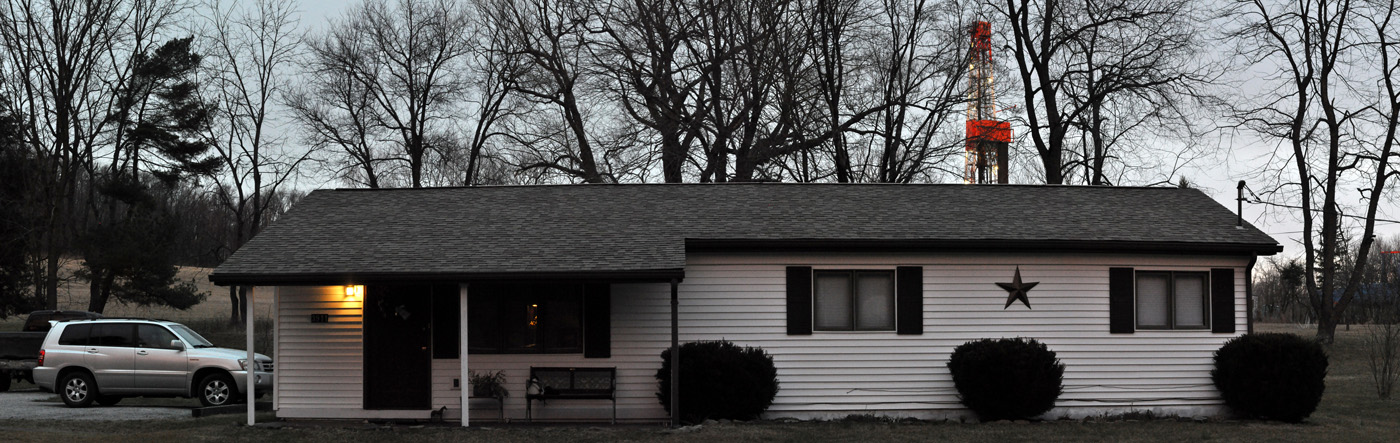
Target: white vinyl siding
{"x": 830, "y": 374}
{"x": 319, "y": 365}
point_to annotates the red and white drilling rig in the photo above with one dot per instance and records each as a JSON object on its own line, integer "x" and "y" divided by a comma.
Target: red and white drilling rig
{"x": 987, "y": 137}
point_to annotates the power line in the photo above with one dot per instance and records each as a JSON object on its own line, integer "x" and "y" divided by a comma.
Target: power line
{"x": 1281, "y": 205}
{"x": 1261, "y": 201}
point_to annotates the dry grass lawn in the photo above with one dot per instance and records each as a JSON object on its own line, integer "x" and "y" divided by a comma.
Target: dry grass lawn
{"x": 1349, "y": 412}
{"x": 73, "y": 294}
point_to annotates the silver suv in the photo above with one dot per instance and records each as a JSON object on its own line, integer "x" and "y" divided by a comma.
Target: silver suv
{"x": 106, "y": 360}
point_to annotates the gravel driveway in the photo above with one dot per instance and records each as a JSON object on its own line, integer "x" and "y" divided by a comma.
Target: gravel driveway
{"x": 35, "y": 405}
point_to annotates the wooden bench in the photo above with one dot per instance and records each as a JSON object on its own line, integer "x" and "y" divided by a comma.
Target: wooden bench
{"x": 571, "y": 384}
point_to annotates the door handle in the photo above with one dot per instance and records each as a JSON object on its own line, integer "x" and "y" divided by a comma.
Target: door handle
{"x": 92, "y": 351}
{"x": 141, "y": 352}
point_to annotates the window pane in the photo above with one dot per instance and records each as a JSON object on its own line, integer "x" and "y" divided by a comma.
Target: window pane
{"x": 561, "y": 316}
{"x": 75, "y": 335}
{"x": 1190, "y": 300}
{"x": 875, "y": 301}
{"x": 447, "y": 325}
{"x": 518, "y": 319}
{"x": 833, "y": 301}
{"x": 1152, "y": 299}
{"x": 190, "y": 337}
{"x": 153, "y": 337}
{"x": 483, "y": 319}
{"x": 521, "y": 325}
{"x": 112, "y": 334}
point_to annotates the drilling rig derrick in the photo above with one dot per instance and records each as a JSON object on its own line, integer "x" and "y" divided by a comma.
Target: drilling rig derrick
{"x": 987, "y": 137}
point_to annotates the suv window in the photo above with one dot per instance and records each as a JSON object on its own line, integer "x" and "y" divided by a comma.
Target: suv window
{"x": 153, "y": 337}
{"x": 113, "y": 335}
{"x": 75, "y": 335}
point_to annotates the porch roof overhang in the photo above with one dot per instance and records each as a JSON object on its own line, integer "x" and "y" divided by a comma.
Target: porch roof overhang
{"x": 345, "y": 278}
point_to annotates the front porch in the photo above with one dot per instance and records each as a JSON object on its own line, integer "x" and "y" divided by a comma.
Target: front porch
{"x": 358, "y": 356}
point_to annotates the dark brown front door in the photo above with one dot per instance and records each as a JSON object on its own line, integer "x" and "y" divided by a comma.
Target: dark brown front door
{"x": 398, "y": 361}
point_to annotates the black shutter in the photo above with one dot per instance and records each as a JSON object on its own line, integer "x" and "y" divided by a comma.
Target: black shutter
{"x": 597, "y": 320}
{"x": 799, "y": 300}
{"x": 1120, "y": 301}
{"x": 1222, "y": 300}
{"x": 909, "y": 298}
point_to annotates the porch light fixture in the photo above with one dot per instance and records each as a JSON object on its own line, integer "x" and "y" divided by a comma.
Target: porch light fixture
{"x": 354, "y": 292}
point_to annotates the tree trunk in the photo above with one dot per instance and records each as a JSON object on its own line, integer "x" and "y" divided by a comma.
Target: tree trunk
{"x": 234, "y": 318}
{"x": 672, "y": 156}
{"x": 95, "y": 299}
{"x": 51, "y": 278}
{"x": 243, "y": 304}
{"x": 101, "y": 291}
{"x": 1326, "y": 330}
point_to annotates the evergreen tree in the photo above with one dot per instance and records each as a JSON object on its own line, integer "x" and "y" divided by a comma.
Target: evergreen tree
{"x": 130, "y": 254}
{"x": 16, "y": 275}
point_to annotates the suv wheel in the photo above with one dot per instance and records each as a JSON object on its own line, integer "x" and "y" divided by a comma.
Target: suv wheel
{"x": 217, "y": 390}
{"x": 78, "y": 389}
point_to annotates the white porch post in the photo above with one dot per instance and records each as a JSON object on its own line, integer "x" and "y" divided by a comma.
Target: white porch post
{"x": 462, "y": 353}
{"x": 252, "y": 364}
{"x": 675, "y": 357}
{"x": 276, "y": 320}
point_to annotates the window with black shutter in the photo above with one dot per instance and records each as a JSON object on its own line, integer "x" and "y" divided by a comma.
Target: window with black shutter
{"x": 1146, "y": 299}
{"x": 854, "y": 300}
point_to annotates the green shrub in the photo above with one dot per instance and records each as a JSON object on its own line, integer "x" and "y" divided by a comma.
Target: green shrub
{"x": 719, "y": 381}
{"x": 1272, "y": 376}
{"x": 1007, "y": 379}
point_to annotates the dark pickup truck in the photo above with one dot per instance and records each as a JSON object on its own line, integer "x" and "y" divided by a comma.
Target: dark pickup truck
{"x": 19, "y": 351}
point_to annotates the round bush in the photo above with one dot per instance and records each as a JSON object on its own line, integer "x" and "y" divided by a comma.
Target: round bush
{"x": 1008, "y": 378}
{"x": 719, "y": 381}
{"x": 1272, "y": 376}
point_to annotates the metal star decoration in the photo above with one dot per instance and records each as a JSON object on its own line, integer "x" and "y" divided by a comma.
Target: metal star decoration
{"x": 1017, "y": 290}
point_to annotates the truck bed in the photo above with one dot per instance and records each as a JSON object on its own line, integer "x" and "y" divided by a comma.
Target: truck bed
{"x": 21, "y": 345}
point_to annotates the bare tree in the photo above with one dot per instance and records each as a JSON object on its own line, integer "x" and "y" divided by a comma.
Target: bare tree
{"x": 1077, "y": 60}
{"x": 550, "y": 38}
{"x": 491, "y": 99}
{"x": 66, "y": 60}
{"x": 922, "y": 68}
{"x": 1339, "y": 134}
{"x": 250, "y": 47}
{"x": 406, "y": 60}
{"x": 644, "y": 54}
{"x": 335, "y": 111}
{"x": 730, "y": 90}
{"x": 1279, "y": 286}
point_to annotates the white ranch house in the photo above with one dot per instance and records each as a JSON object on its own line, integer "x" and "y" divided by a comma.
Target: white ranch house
{"x": 859, "y": 292}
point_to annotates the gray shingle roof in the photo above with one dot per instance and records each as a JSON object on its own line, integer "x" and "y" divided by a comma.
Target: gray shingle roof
{"x": 491, "y": 232}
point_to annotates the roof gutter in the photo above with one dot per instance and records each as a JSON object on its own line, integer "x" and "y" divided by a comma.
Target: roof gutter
{"x": 344, "y": 278}
{"x": 973, "y": 245}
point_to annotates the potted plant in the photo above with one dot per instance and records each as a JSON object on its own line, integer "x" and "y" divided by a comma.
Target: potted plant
{"x": 488, "y": 384}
